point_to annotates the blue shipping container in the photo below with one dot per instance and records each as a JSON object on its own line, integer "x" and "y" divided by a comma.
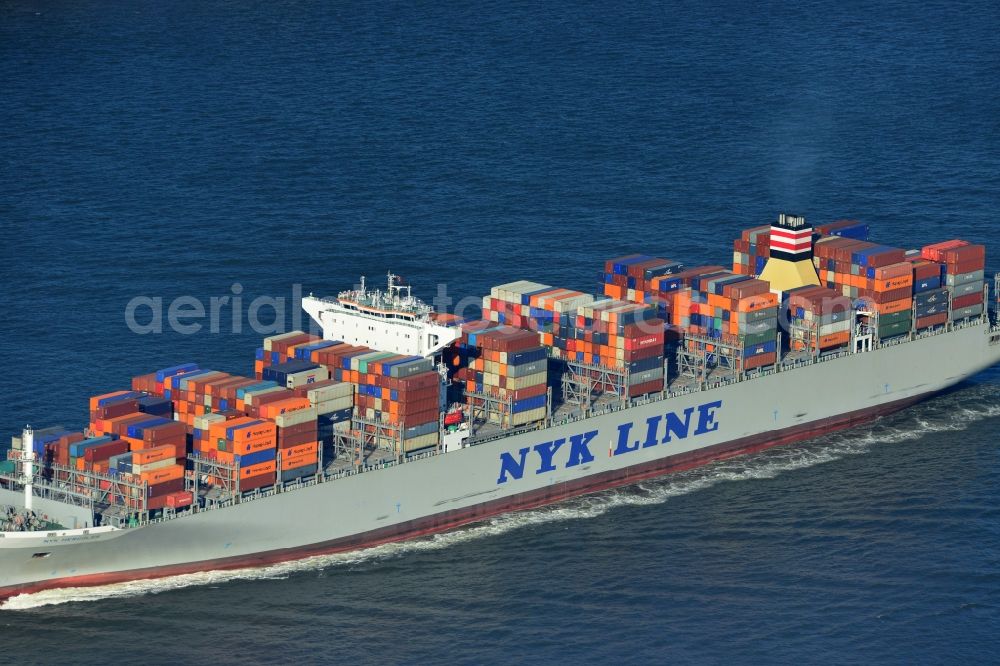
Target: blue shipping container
{"x": 529, "y": 403}
{"x": 161, "y": 375}
{"x": 136, "y": 430}
{"x": 240, "y": 393}
{"x": 257, "y": 457}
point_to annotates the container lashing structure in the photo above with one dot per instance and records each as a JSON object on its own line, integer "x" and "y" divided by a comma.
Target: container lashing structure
{"x": 699, "y": 355}
{"x": 225, "y": 479}
{"x": 85, "y": 488}
{"x": 483, "y": 408}
{"x": 582, "y": 383}
{"x": 365, "y": 437}
{"x": 806, "y": 334}
{"x": 865, "y": 333}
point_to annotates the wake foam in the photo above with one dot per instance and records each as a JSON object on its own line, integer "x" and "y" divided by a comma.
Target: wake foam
{"x": 954, "y": 412}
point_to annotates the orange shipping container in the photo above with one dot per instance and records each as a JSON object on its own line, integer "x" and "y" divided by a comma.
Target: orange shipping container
{"x": 257, "y": 470}
{"x": 161, "y": 475}
{"x": 301, "y": 450}
{"x": 755, "y": 303}
{"x": 295, "y": 462}
{"x": 834, "y": 340}
{"x": 134, "y": 444}
{"x": 898, "y": 282}
{"x": 894, "y": 306}
{"x": 152, "y": 455}
{"x": 271, "y": 410}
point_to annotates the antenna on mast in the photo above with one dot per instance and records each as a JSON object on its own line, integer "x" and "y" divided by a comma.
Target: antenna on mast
{"x": 395, "y": 289}
{"x": 28, "y": 467}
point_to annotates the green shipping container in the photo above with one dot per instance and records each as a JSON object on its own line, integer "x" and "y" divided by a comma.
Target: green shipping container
{"x": 895, "y": 318}
{"x": 759, "y": 338}
{"x": 893, "y": 330}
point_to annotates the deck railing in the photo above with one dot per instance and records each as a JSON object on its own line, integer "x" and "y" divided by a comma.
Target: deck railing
{"x": 787, "y": 366}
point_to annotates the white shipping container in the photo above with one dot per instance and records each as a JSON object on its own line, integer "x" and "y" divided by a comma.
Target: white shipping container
{"x": 332, "y": 392}
{"x": 149, "y": 467}
{"x": 514, "y": 384}
{"x": 839, "y": 327}
{"x": 205, "y": 421}
{"x": 268, "y": 342}
{"x": 422, "y": 442}
{"x": 296, "y": 418}
{"x": 529, "y": 416}
{"x": 299, "y": 379}
{"x": 335, "y": 405}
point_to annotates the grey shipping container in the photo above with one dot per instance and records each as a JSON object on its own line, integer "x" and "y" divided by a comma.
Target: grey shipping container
{"x": 964, "y": 278}
{"x": 411, "y": 368}
{"x": 645, "y": 376}
{"x": 964, "y": 313}
{"x": 967, "y": 288}
{"x": 526, "y": 369}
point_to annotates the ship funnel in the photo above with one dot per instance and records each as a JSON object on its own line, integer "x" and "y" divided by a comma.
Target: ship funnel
{"x": 790, "y": 264}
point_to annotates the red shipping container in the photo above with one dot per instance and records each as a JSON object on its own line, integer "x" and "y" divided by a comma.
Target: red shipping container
{"x": 965, "y": 254}
{"x": 179, "y": 500}
{"x": 422, "y": 380}
{"x": 934, "y": 251}
{"x": 162, "y": 432}
{"x": 653, "y": 386}
{"x": 291, "y": 441}
{"x": 252, "y": 483}
{"x": 926, "y": 270}
{"x": 530, "y": 392}
{"x": 297, "y": 429}
{"x": 971, "y": 266}
{"x": 745, "y": 289}
{"x": 641, "y": 354}
{"x": 178, "y": 444}
{"x": 967, "y": 300}
{"x": 165, "y": 488}
{"x": 933, "y": 320}
{"x": 145, "y": 383}
{"x": 104, "y": 451}
{"x": 116, "y": 409}
{"x": 120, "y": 427}
{"x": 760, "y": 360}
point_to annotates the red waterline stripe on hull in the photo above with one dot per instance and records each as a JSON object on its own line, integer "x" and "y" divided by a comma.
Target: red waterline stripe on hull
{"x": 458, "y": 517}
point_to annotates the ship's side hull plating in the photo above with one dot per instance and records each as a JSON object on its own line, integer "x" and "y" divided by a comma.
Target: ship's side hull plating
{"x": 524, "y": 471}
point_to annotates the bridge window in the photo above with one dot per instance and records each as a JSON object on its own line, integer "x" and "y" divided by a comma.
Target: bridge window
{"x": 40, "y": 556}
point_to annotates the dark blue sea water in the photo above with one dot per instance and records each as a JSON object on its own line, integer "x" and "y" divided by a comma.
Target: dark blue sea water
{"x": 169, "y": 149}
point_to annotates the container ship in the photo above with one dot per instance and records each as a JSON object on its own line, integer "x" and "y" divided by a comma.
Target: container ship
{"x": 401, "y": 421}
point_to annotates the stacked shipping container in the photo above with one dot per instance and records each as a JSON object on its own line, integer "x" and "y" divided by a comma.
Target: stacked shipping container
{"x": 820, "y": 319}
{"x": 735, "y": 309}
{"x": 401, "y": 392}
{"x": 752, "y": 250}
{"x": 619, "y": 335}
{"x": 879, "y": 276}
{"x": 963, "y": 267}
{"x": 507, "y": 363}
{"x": 629, "y": 278}
{"x": 532, "y": 306}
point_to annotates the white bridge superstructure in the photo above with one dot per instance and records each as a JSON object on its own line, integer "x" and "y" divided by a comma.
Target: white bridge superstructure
{"x": 392, "y": 320}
